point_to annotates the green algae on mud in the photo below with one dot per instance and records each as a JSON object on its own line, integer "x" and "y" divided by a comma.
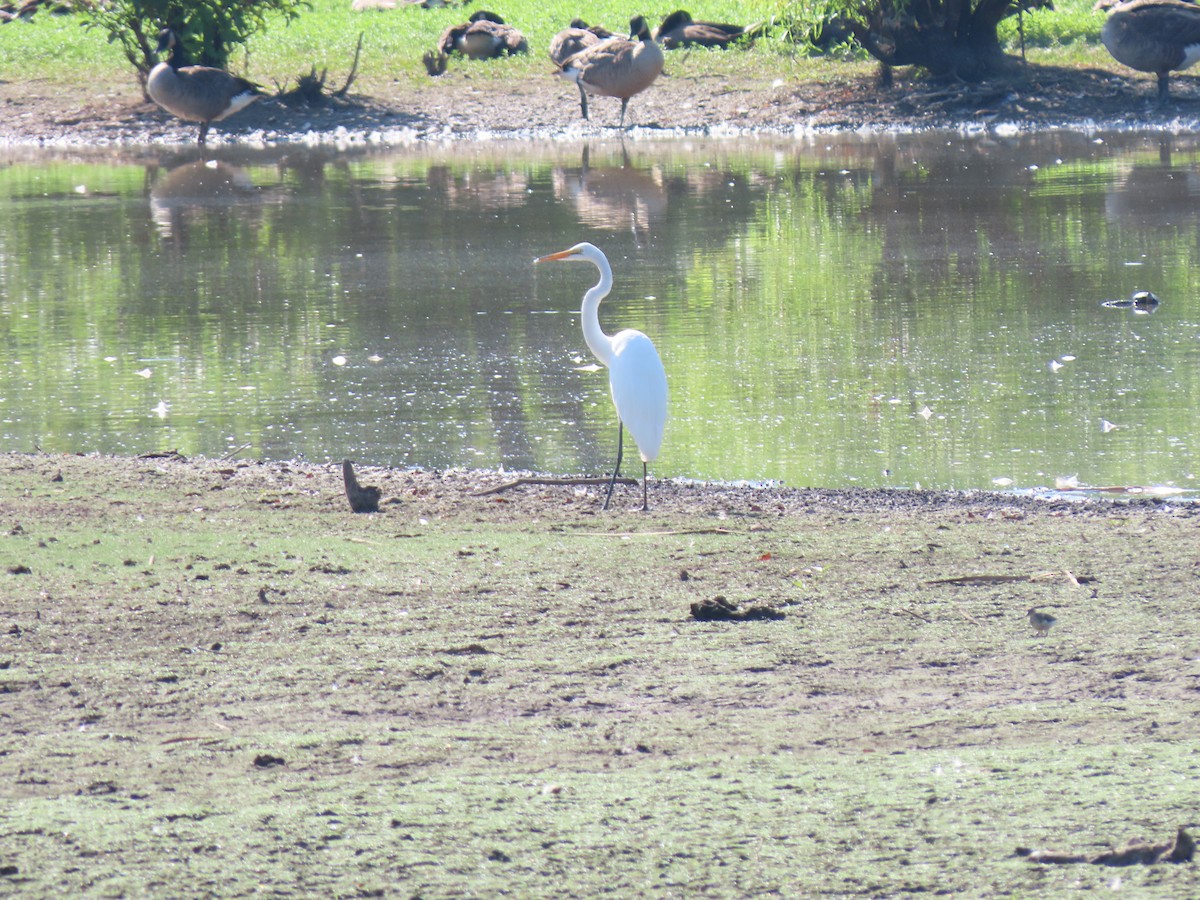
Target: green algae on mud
{"x": 475, "y": 696}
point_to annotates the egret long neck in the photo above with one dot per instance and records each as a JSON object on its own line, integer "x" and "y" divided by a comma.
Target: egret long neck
{"x": 598, "y": 342}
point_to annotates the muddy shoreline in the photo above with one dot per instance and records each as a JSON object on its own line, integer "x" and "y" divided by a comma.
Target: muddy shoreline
{"x": 462, "y": 106}
{"x": 546, "y": 497}
{"x": 220, "y": 681}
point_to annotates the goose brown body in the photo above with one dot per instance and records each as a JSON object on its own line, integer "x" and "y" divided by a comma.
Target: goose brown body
{"x": 484, "y": 36}
{"x": 572, "y": 40}
{"x": 679, "y": 29}
{"x": 1159, "y": 36}
{"x": 575, "y": 38}
{"x": 196, "y": 93}
{"x": 617, "y": 68}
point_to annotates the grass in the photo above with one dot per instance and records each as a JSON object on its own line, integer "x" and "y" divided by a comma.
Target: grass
{"x": 479, "y": 697}
{"x": 57, "y": 49}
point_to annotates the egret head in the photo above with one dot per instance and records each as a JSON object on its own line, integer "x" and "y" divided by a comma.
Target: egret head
{"x": 583, "y": 252}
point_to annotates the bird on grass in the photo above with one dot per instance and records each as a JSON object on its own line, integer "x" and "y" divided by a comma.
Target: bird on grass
{"x": 618, "y": 67}
{"x": 679, "y": 29}
{"x": 635, "y": 372}
{"x": 1041, "y": 621}
{"x": 196, "y": 93}
{"x": 483, "y": 36}
{"x": 577, "y": 36}
{"x": 1159, "y": 36}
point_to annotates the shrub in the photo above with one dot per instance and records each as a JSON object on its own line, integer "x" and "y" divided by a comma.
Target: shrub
{"x": 207, "y": 30}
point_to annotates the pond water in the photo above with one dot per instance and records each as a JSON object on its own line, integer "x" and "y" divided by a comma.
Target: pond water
{"x": 831, "y": 311}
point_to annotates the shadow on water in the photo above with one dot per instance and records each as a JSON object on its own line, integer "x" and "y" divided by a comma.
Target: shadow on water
{"x": 835, "y": 311}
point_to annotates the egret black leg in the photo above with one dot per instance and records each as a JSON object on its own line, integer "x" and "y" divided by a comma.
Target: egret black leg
{"x": 617, "y": 468}
{"x": 203, "y": 133}
{"x": 645, "y": 487}
{"x": 583, "y": 103}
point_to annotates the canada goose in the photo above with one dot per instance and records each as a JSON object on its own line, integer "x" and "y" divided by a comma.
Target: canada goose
{"x": 679, "y": 29}
{"x": 618, "y": 67}
{"x": 196, "y": 93}
{"x": 575, "y": 38}
{"x": 1159, "y": 36}
{"x": 1041, "y": 621}
{"x": 598, "y": 30}
{"x": 484, "y": 36}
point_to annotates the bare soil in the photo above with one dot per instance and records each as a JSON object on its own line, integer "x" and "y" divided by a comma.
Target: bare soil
{"x": 470, "y": 102}
{"x": 215, "y": 679}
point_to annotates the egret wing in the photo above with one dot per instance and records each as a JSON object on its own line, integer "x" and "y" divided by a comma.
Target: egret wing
{"x": 639, "y": 390}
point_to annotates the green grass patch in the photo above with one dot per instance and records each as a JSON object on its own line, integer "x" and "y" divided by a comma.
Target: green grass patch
{"x": 58, "y": 49}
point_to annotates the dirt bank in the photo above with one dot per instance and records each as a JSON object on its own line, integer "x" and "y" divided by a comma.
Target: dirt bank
{"x": 219, "y": 681}
{"x": 463, "y": 104}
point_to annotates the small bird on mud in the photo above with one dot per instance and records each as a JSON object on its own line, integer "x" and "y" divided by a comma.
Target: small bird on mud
{"x": 1041, "y": 621}
{"x": 196, "y": 93}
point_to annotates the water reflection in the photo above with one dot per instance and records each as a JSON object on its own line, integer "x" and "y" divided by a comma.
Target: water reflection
{"x": 613, "y": 197}
{"x": 1159, "y": 195}
{"x": 196, "y": 188}
{"x": 477, "y": 189}
{"x": 832, "y": 311}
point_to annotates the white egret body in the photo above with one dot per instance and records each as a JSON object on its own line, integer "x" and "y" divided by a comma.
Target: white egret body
{"x": 635, "y": 372}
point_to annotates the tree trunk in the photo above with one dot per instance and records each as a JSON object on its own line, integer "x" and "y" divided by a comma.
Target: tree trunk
{"x": 945, "y": 37}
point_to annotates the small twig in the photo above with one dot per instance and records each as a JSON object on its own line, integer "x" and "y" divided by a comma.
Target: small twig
{"x": 967, "y": 616}
{"x": 236, "y": 451}
{"x": 535, "y": 480}
{"x": 341, "y": 92}
{"x": 978, "y": 580}
{"x": 629, "y": 534}
{"x": 162, "y": 454}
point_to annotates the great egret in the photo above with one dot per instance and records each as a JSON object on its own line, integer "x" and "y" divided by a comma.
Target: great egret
{"x": 196, "y": 93}
{"x": 635, "y": 372}
{"x": 1159, "y": 36}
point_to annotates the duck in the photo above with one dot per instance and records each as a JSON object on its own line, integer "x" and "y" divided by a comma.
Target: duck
{"x": 1141, "y": 302}
{"x": 573, "y": 39}
{"x": 196, "y": 93}
{"x": 617, "y": 67}
{"x": 679, "y": 29}
{"x": 484, "y": 36}
{"x": 1159, "y": 36}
